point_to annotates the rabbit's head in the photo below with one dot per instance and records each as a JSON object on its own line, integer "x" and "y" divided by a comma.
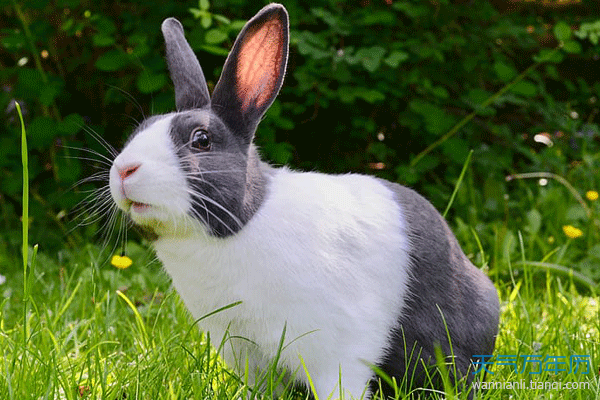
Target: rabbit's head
{"x": 197, "y": 167}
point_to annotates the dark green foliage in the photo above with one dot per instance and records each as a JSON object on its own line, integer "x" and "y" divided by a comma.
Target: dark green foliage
{"x": 370, "y": 86}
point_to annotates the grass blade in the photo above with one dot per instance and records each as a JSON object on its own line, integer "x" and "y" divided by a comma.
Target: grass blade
{"x": 145, "y": 342}
{"x": 25, "y": 214}
{"x": 24, "y": 220}
{"x": 570, "y": 272}
{"x": 457, "y": 186}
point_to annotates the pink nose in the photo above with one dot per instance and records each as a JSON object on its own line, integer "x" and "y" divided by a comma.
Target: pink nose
{"x": 128, "y": 171}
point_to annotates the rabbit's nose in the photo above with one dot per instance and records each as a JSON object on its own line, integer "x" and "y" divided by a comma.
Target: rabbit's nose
{"x": 128, "y": 170}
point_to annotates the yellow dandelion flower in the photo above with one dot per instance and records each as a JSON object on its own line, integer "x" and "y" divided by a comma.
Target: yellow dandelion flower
{"x": 572, "y": 232}
{"x": 121, "y": 262}
{"x": 591, "y": 195}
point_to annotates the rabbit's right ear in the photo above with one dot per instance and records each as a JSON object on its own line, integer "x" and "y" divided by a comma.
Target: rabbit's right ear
{"x": 254, "y": 71}
{"x": 191, "y": 90}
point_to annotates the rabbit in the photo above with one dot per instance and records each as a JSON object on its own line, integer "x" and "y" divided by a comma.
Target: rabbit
{"x": 360, "y": 273}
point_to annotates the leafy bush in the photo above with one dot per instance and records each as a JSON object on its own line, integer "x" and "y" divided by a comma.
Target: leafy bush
{"x": 370, "y": 86}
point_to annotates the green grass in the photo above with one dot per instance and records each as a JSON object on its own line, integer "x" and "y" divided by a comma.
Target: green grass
{"x": 116, "y": 334}
{"x": 74, "y": 327}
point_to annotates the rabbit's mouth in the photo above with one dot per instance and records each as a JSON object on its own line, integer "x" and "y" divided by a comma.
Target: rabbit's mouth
{"x": 144, "y": 215}
{"x": 135, "y": 208}
{"x": 157, "y": 219}
{"x": 139, "y": 207}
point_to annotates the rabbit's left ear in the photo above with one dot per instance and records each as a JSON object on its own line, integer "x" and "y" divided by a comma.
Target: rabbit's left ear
{"x": 191, "y": 90}
{"x": 254, "y": 71}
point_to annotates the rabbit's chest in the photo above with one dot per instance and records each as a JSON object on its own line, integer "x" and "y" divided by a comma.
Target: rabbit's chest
{"x": 322, "y": 253}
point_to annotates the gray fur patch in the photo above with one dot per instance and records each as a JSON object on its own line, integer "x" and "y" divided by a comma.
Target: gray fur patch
{"x": 191, "y": 90}
{"x": 446, "y": 290}
{"x": 228, "y": 182}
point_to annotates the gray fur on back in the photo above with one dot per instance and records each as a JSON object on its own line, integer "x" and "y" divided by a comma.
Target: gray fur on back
{"x": 443, "y": 282}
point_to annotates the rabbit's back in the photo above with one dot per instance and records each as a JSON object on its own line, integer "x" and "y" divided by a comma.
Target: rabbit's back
{"x": 454, "y": 304}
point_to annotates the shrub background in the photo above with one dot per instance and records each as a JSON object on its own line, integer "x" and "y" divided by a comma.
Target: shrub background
{"x": 370, "y": 85}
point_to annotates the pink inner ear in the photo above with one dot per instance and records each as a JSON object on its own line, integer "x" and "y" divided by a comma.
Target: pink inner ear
{"x": 259, "y": 64}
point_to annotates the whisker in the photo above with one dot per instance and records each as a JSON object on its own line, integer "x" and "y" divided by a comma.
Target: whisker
{"x": 104, "y": 165}
{"x": 107, "y": 226}
{"x": 217, "y": 171}
{"x": 112, "y": 224}
{"x": 197, "y": 214}
{"x": 100, "y": 176}
{"x": 107, "y": 146}
{"x": 88, "y": 200}
{"x": 94, "y": 216}
{"x": 218, "y": 219}
{"x": 204, "y": 198}
{"x": 200, "y": 179}
{"x": 130, "y": 97}
{"x": 102, "y": 158}
{"x": 133, "y": 122}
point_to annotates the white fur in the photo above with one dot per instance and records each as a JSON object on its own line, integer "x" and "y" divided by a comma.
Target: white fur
{"x": 325, "y": 256}
{"x": 158, "y": 182}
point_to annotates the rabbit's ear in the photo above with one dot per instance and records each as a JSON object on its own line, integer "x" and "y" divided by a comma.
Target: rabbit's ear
{"x": 190, "y": 86}
{"x": 253, "y": 71}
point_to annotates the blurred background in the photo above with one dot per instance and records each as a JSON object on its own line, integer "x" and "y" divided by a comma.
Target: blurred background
{"x": 401, "y": 89}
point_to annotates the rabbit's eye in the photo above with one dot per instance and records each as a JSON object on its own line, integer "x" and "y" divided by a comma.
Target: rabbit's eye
{"x": 200, "y": 140}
